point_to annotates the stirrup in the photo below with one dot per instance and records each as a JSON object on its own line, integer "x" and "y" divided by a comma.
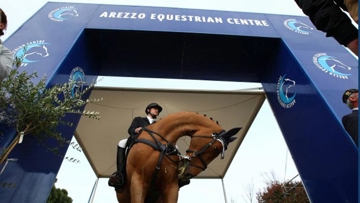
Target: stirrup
{"x": 116, "y": 180}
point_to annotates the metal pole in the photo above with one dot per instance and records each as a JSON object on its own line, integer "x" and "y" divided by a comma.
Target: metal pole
{"x": 92, "y": 194}
{"x": 222, "y": 181}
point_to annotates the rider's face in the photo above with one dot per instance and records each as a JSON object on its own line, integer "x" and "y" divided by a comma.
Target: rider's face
{"x": 154, "y": 112}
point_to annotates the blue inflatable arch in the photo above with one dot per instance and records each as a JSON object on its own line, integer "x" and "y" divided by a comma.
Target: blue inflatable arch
{"x": 303, "y": 74}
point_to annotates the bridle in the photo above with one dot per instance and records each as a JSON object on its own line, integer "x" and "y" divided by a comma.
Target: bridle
{"x": 168, "y": 149}
{"x": 197, "y": 154}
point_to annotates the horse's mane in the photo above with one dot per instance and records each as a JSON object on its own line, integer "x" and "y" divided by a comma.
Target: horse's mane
{"x": 217, "y": 122}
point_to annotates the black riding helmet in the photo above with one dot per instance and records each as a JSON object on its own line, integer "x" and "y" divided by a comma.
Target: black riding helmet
{"x": 153, "y": 105}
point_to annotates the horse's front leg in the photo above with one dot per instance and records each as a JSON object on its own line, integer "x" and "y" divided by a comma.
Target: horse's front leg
{"x": 170, "y": 194}
{"x": 137, "y": 189}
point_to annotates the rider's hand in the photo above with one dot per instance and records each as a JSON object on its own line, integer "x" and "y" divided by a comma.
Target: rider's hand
{"x": 137, "y": 130}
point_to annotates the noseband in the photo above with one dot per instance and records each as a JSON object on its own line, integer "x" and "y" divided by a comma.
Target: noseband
{"x": 197, "y": 154}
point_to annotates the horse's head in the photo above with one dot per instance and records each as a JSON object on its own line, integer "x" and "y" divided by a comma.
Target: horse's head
{"x": 203, "y": 149}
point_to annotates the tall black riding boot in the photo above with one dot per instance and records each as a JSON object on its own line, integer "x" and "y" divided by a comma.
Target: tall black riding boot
{"x": 117, "y": 179}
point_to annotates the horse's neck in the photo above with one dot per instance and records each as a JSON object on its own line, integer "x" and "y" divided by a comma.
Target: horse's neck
{"x": 177, "y": 125}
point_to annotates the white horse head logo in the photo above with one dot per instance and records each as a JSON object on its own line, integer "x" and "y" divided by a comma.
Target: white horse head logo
{"x": 33, "y": 52}
{"x": 288, "y": 83}
{"x": 298, "y": 26}
{"x": 333, "y": 65}
{"x": 64, "y": 13}
{"x": 67, "y": 13}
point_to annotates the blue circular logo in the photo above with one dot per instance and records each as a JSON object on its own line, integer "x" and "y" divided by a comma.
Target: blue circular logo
{"x": 332, "y": 65}
{"x": 77, "y": 80}
{"x": 63, "y": 13}
{"x": 32, "y": 51}
{"x": 298, "y": 26}
{"x": 286, "y": 96}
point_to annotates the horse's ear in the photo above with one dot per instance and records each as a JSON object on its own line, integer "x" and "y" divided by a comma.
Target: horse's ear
{"x": 232, "y": 132}
{"x": 231, "y": 139}
{"x": 228, "y": 136}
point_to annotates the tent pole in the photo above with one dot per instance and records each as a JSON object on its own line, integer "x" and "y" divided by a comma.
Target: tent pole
{"x": 92, "y": 194}
{"x": 223, "y": 186}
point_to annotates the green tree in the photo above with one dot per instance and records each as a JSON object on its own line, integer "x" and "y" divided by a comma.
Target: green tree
{"x": 283, "y": 192}
{"x": 58, "y": 195}
{"x": 34, "y": 109}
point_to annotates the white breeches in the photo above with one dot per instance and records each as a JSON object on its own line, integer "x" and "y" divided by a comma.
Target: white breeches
{"x": 122, "y": 143}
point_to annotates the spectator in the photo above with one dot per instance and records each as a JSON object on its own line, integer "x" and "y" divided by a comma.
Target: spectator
{"x": 6, "y": 57}
{"x": 352, "y": 7}
{"x": 350, "y": 121}
{"x": 329, "y": 17}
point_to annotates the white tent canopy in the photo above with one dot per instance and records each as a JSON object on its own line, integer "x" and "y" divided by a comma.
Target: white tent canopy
{"x": 99, "y": 138}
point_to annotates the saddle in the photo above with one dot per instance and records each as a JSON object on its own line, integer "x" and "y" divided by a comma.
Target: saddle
{"x": 165, "y": 150}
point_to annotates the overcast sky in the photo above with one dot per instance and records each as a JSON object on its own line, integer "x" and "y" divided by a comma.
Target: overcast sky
{"x": 262, "y": 152}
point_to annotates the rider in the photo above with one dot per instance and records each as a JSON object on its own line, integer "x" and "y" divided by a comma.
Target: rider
{"x": 138, "y": 123}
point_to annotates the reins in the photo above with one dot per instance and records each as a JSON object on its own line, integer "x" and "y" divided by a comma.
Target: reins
{"x": 169, "y": 149}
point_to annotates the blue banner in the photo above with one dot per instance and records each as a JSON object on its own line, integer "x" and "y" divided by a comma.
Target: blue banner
{"x": 303, "y": 73}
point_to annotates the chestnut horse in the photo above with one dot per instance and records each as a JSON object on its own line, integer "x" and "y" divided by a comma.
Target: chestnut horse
{"x": 154, "y": 165}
